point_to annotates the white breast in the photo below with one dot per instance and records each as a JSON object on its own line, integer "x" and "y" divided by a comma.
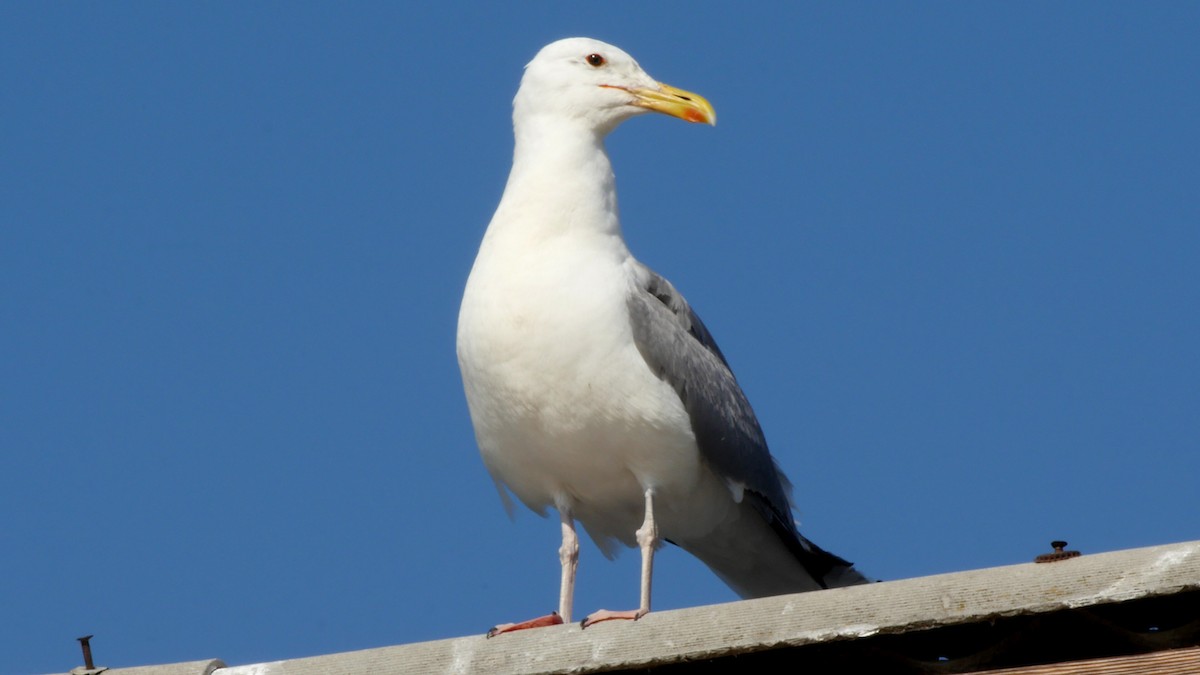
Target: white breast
{"x": 565, "y": 409}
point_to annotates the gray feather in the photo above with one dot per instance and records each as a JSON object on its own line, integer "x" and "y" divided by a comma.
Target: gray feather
{"x": 679, "y": 348}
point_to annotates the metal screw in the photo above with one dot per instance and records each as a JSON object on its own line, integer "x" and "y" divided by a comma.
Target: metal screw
{"x": 1059, "y": 553}
{"x": 87, "y": 652}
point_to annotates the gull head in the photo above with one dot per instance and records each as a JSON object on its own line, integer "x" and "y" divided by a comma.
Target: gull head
{"x": 599, "y": 85}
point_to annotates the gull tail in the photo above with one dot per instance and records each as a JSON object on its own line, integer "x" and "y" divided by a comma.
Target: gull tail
{"x": 759, "y": 558}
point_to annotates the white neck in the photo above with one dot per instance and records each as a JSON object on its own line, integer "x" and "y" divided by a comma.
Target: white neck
{"x": 561, "y": 179}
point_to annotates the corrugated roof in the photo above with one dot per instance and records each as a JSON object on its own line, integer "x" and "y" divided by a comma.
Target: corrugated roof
{"x": 1102, "y": 605}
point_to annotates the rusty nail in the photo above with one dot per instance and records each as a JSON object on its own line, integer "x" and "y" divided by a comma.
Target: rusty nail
{"x": 1058, "y": 554}
{"x": 87, "y": 652}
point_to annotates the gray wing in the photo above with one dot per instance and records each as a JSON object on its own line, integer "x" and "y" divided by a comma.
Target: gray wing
{"x": 680, "y": 350}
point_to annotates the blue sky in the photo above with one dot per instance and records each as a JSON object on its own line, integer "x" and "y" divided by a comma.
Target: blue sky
{"x": 950, "y": 249}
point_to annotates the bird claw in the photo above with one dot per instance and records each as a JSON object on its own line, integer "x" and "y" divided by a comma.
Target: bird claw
{"x": 551, "y": 619}
{"x": 609, "y": 615}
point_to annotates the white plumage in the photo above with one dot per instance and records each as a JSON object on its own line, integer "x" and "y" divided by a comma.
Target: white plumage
{"x": 593, "y": 387}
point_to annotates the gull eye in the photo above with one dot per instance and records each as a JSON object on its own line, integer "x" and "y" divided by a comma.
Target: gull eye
{"x": 595, "y": 60}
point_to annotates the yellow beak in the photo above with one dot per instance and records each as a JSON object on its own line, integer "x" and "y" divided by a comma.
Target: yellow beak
{"x": 675, "y": 102}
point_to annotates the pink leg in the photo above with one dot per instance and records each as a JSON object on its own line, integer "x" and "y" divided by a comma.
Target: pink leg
{"x": 648, "y": 540}
{"x": 568, "y": 556}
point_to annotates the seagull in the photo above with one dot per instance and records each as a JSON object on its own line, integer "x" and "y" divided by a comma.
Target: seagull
{"x": 593, "y": 387}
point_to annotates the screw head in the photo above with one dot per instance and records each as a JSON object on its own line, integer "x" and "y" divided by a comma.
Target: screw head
{"x": 1059, "y": 553}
